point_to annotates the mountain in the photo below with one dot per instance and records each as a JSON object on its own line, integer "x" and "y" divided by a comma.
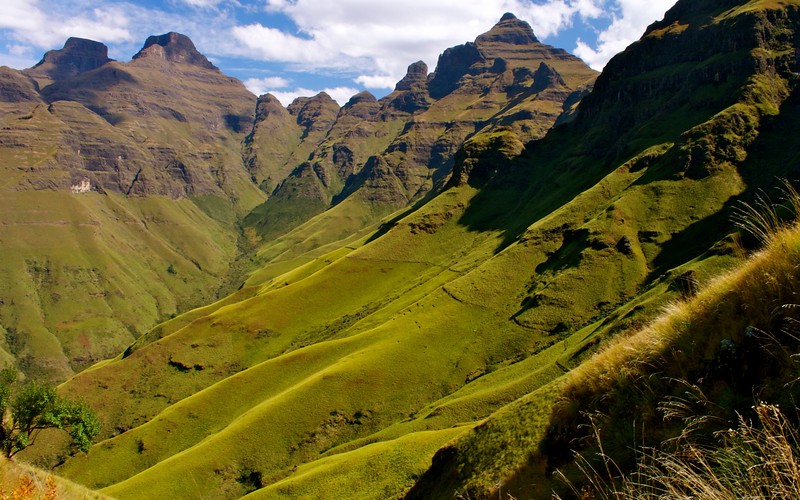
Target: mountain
{"x": 424, "y": 356}
{"x": 122, "y": 185}
{"x": 381, "y": 155}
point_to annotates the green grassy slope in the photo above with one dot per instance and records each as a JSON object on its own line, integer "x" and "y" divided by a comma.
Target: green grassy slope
{"x": 84, "y": 275}
{"x": 459, "y": 319}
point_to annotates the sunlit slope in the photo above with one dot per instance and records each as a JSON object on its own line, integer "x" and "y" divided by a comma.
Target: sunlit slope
{"x": 85, "y": 274}
{"x": 386, "y": 333}
{"x": 739, "y": 149}
{"x": 121, "y": 186}
{"x": 479, "y": 299}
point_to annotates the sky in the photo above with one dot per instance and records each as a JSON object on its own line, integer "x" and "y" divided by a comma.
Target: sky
{"x": 293, "y": 48}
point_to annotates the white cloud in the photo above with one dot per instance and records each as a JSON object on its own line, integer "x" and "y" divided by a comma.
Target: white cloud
{"x": 339, "y": 94}
{"x": 377, "y": 81}
{"x": 629, "y": 22}
{"x": 380, "y": 40}
{"x": 274, "y": 45}
{"x": 30, "y": 24}
{"x": 203, "y": 4}
{"x": 260, "y": 86}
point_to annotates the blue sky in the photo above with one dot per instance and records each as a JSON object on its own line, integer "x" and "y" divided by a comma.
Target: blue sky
{"x": 300, "y": 47}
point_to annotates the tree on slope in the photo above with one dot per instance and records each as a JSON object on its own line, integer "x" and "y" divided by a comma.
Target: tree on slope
{"x": 26, "y": 410}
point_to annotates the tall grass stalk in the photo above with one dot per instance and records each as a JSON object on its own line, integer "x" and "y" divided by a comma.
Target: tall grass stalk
{"x": 764, "y": 219}
{"x": 756, "y": 460}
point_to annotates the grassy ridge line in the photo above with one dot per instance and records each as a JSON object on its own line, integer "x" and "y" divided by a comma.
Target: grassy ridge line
{"x": 379, "y": 470}
{"x": 378, "y": 388}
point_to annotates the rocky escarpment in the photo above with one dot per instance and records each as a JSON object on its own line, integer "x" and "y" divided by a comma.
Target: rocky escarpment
{"x": 170, "y": 122}
{"x": 666, "y": 80}
{"x": 122, "y": 182}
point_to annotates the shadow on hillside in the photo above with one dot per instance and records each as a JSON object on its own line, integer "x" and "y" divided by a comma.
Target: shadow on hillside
{"x": 544, "y": 178}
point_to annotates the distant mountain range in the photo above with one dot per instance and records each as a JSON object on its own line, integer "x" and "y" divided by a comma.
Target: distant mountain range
{"x": 392, "y": 294}
{"x": 179, "y": 151}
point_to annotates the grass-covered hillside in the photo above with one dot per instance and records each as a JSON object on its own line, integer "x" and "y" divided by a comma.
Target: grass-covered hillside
{"x": 127, "y": 185}
{"x": 121, "y": 187}
{"x": 341, "y": 367}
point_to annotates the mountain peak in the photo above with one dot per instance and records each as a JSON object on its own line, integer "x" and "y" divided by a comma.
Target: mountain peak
{"x": 510, "y": 30}
{"x": 417, "y": 73}
{"x": 77, "y": 56}
{"x": 173, "y": 47}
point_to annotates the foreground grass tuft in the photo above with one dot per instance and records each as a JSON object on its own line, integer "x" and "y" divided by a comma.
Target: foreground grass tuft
{"x": 758, "y": 459}
{"x": 23, "y": 482}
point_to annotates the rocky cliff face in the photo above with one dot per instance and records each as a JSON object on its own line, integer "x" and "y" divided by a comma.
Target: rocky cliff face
{"x": 169, "y": 122}
{"x": 78, "y": 56}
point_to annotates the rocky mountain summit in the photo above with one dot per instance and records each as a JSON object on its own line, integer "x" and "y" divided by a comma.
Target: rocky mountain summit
{"x": 175, "y": 48}
{"x": 391, "y": 152}
{"x": 78, "y": 56}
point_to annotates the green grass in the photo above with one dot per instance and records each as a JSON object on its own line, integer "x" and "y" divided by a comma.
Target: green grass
{"x": 85, "y": 275}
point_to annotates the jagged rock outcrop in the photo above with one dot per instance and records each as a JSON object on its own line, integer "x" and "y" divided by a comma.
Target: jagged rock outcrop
{"x": 173, "y": 47}
{"x": 315, "y": 114}
{"x": 510, "y": 31}
{"x": 411, "y": 93}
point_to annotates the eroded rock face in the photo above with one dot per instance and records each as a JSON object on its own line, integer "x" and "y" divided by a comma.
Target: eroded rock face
{"x": 79, "y": 55}
{"x": 314, "y": 114}
{"x": 395, "y": 150}
{"x": 411, "y": 93}
{"x": 453, "y": 64}
{"x": 363, "y": 106}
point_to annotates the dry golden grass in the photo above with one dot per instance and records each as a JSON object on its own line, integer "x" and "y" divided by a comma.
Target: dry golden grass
{"x": 757, "y": 460}
{"x": 23, "y": 482}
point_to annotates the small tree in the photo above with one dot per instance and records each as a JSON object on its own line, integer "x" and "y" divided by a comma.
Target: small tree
{"x": 25, "y": 410}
